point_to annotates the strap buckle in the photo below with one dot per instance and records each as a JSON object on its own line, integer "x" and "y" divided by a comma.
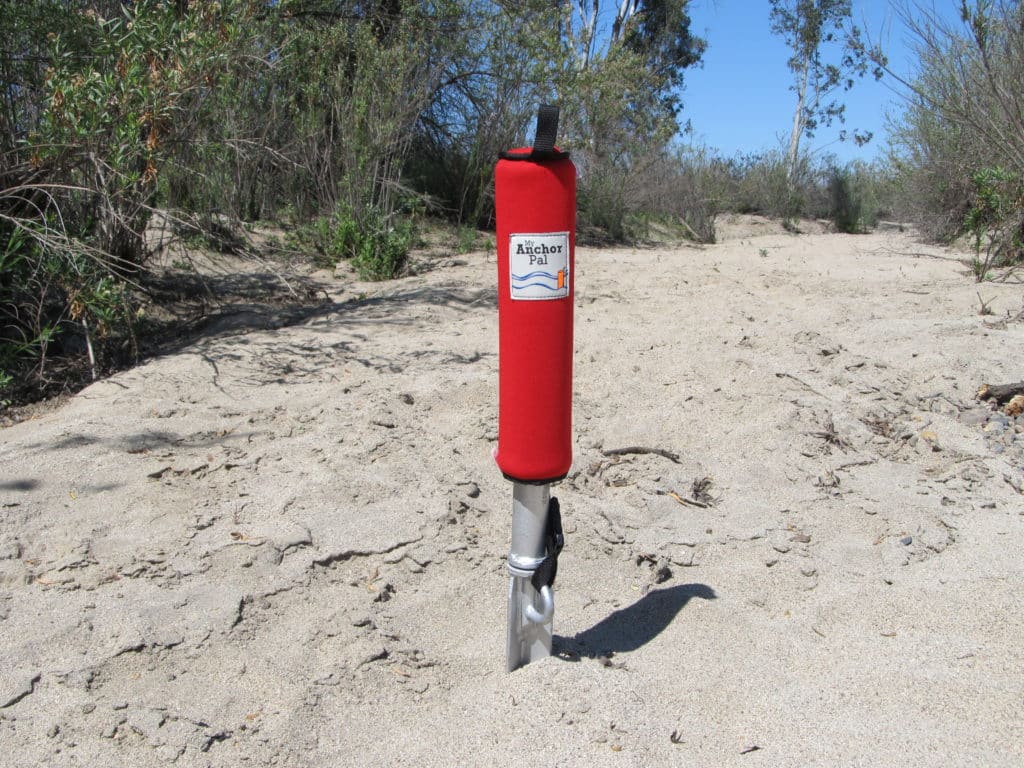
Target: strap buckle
{"x": 554, "y": 541}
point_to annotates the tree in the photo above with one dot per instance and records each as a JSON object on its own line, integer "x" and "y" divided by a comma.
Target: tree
{"x": 812, "y": 28}
{"x": 959, "y": 143}
{"x": 620, "y": 97}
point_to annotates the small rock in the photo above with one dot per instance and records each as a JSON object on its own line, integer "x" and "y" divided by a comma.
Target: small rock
{"x": 146, "y": 721}
{"x": 385, "y": 593}
{"x": 771, "y": 561}
{"x": 663, "y": 574}
{"x": 906, "y": 541}
{"x": 472, "y": 490}
{"x": 975, "y": 416}
{"x": 53, "y": 730}
{"x": 10, "y": 550}
{"x": 88, "y": 708}
{"x": 458, "y": 546}
{"x": 683, "y": 558}
{"x": 800, "y": 538}
{"x": 779, "y": 542}
{"x": 808, "y": 571}
{"x": 421, "y": 558}
{"x": 376, "y": 653}
{"x": 109, "y": 731}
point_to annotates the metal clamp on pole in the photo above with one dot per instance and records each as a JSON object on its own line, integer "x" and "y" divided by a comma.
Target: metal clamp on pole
{"x": 537, "y": 540}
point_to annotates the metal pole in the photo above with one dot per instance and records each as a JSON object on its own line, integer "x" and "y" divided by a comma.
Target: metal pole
{"x": 529, "y": 611}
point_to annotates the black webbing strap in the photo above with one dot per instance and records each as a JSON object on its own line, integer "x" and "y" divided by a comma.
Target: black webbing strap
{"x": 547, "y": 130}
{"x": 544, "y": 140}
{"x": 554, "y": 540}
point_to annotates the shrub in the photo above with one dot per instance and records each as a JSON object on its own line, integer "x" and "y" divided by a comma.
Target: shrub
{"x": 854, "y": 200}
{"x": 602, "y": 206}
{"x": 959, "y": 143}
{"x": 383, "y": 252}
{"x": 995, "y": 220}
{"x": 57, "y": 303}
{"x": 377, "y": 246}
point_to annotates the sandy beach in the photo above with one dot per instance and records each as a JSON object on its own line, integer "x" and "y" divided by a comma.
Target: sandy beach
{"x": 284, "y": 544}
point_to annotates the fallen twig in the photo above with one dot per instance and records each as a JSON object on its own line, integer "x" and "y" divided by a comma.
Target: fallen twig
{"x": 862, "y": 463}
{"x": 673, "y": 457}
{"x": 802, "y": 383}
{"x": 691, "y": 502}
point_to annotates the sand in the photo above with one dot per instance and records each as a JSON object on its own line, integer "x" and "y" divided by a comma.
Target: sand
{"x": 284, "y": 544}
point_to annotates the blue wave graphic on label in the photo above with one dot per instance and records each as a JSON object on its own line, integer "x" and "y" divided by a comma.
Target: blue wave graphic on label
{"x": 539, "y": 265}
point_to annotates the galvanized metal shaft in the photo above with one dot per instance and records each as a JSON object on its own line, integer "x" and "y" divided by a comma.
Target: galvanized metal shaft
{"x": 529, "y": 611}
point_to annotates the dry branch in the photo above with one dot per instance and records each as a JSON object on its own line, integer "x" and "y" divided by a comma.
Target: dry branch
{"x": 1000, "y": 392}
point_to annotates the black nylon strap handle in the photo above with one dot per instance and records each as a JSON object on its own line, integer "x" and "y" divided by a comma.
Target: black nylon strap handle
{"x": 547, "y": 130}
{"x": 543, "y": 142}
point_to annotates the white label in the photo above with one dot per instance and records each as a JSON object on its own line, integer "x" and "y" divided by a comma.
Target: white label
{"x": 539, "y": 265}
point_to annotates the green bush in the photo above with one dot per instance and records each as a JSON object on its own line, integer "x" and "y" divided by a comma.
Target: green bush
{"x": 853, "y": 192}
{"x": 62, "y": 313}
{"x": 846, "y": 204}
{"x": 335, "y": 238}
{"x": 376, "y": 246}
{"x": 383, "y": 252}
{"x": 995, "y": 220}
{"x": 959, "y": 141}
{"x": 468, "y": 240}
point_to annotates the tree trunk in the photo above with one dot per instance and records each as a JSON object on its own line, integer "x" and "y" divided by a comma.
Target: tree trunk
{"x": 798, "y": 124}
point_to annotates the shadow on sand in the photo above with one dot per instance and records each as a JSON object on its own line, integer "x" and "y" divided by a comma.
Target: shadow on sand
{"x": 632, "y": 627}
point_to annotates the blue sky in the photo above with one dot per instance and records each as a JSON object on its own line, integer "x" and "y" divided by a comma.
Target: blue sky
{"x": 740, "y": 100}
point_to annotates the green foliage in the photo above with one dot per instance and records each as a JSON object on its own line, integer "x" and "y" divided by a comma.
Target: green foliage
{"x": 468, "y": 239}
{"x": 383, "y": 253}
{"x": 959, "y": 144}
{"x": 335, "y": 237}
{"x": 620, "y": 99}
{"x": 97, "y": 98}
{"x": 854, "y": 198}
{"x": 5, "y": 382}
{"x": 760, "y": 183}
{"x": 995, "y": 220}
{"x": 602, "y": 208}
{"x": 828, "y": 55}
{"x": 247, "y": 109}
{"x": 994, "y": 193}
{"x": 57, "y": 304}
{"x": 376, "y": 246}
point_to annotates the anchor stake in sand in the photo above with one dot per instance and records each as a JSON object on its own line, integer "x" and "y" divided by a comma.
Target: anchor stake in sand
{"x": 535, "y": 198}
